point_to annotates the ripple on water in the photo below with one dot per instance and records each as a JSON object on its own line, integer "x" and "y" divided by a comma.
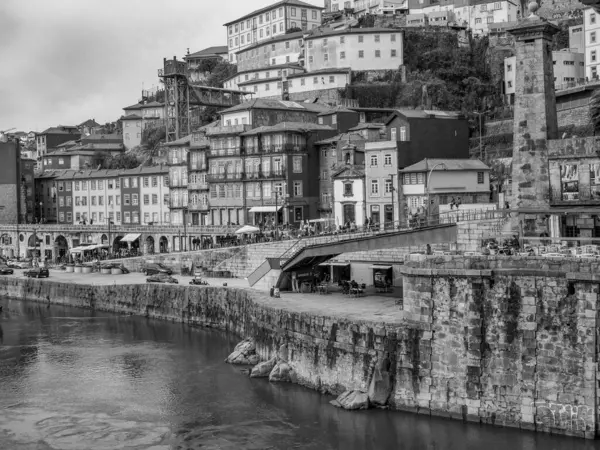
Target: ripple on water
{"x": 30, "y": 426}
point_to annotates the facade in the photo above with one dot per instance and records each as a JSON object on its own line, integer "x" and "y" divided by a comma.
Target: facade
{"x": 270, "y": 21}
{"x": 577, "y": 38}
{"x": 478, "y": 15}
{"x": 12, "y": 188}
{"x": 46, "y": 194}
{"x": 151, "y": 112}
{"x": 361, "y": 7}
{"x": 591, "y": 30}
{"x": 272, "y": 76}
{"x": 88, "y": 127}
{"x": 195, "y": 61}
{"x": 178, "y": 162}
{"x": 381, "y": 183}
{"x": 465, "y": 181}
{"x": 87, "y": 153}
{"x": 427, "y": 134}
{"x": 132, "y": 130}
{"x": 49, "y": 139}
{"x": 569, "y": 70}
{"x": 349, "y": 206}
{"x": 340, "y": 118}
{"x": 276, "y": 51}
{"x": 358, "y": 48}
{"x": 27, "y": 168}
{"x": 197, "y": 179}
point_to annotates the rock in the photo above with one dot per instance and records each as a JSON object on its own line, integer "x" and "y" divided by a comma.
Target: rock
{"x": 263, "y": 369}
{"x": 282, "y": 354}
{"x": 282, "y": 372}
{"x": 352, "y": 400}
{"x": 244, "y": 353}
{"x": 381, "y": 384}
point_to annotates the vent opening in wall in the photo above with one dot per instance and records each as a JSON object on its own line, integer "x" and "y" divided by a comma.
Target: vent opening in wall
{"x": 571, "y": 288}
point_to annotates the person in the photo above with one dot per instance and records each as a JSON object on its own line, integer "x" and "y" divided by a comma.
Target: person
{"x": 452, "y": 203}
{"x": 295, "y": 282}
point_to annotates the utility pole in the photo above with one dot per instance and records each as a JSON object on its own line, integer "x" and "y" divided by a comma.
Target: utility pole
{"x": 392, "y": 176}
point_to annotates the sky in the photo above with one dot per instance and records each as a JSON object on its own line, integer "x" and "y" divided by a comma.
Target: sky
{"x": 66, "y": 61}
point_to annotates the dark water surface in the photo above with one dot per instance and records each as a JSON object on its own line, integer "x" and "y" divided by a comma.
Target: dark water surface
{"x": 75, "y": 379}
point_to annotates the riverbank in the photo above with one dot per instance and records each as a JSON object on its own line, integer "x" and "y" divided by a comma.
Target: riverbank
{"x": 466, "y": 346}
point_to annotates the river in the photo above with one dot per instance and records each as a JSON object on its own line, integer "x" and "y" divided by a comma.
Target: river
{"x": 74, "y": 379}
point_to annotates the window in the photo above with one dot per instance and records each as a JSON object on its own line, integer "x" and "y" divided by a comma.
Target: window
{"x": 484, "y": 7}
{"x": 348, "y": 190}
{"x": 342, "y": 55}
{"x": 374, "y": 187}
{"x": 387, "y": 160}
{"x": 293, "y": 12}
{"x": 127, "y": 217}
{"x": 93, "y": 185}
{"x": 68, "y": 201}
{"x": 377, "y": 53}
{"x": 118, "y": 200}
{"x": 76, "y": 185}
{"x": 480, "y": 177}
{"x": 490, "y": 19}
{"x": 394, "y": 53}
{"x": 342, "y": 39}
{"x": 77, "y": 201}
{"x": 61, "y": 217}
{"x": 118, "y": 183}
{"x": 593, "y": 55}
{"x": 326, "y": 57}
{"x": 388, "y": 186}
{"x": 93, "y": 202}
{"x": 310, "y": 59}
{"x": 154, "y": 181}
{"x": 377, "y": 38}
{"x": 403, "y": 134}
{"x": 315, "y": 80}
{"x": 267, "y": 87}
{"x": 393, "y": 37}
{"x": 69, "y": 217}
{"x": 314, "y": 14}
{"x": 297, "y": 188}
{"x": 373, "y": 160}
{"x": 61, "y": 201}
{"x": 510, "y": 84}
{"x": 478, "y": 20}
{"x": 61, "y": 161}
{"x": 126, "y": 183}
{"x": 361, "y": 39}
{"x": 154, "y": 199}
{"x": 126, "y": 200}
{"x": 146, "y": 199}
{"x": 146, "y": 182}
{"x": 592, "y": 18}
{"x": 134, "y": 182}
{"x": 509, "y": 67}
{"x": 100, "y": 200}
{"x": 297, "y": 163}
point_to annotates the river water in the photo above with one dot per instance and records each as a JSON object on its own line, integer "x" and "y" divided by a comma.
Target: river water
{"x": 76, "y": 380}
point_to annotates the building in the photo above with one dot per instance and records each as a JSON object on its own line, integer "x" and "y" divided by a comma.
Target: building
{"x": 466, "y": 181}
{"x": 340, "y": 118}
{"x": 569, "y": 70}
{"x": 200, "y": 63}
{"x": 272, "y": 20}
{"x": 265, "y": 82}
{"x": 178, "y": 162}
{"x": 349, "y": 205}
{"x": 28, "y": 204}
{"x": 87, "y": 153}
{"x": 12, "y": 188}
{"x": 381, "y": 183}
{"x": 198, "y": 189}
{"x": 46, "y": 194}
{"x": 358, "y": 8}
{"x": 362, "y": 49}
{"x": 152, "y": 191}
{"x": 478, "y": 15}
{"x": 132, "y": 130}
{"x": 276, "y": 51}
{"x": 591, "y": 30}
{"x": 152, "y": 114}
{"x": 48, "y": 140}
{"x": 427, "y": 134}
{"x": 577, "y": 38}
{"x": 88, "y": 127}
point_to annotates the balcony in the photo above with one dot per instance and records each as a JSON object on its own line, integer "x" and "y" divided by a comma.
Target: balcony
{"x": 198, "y": 186}
{"x": 230, "y": 151}
{"x": 198, "y": 207}
{"x": 585, "y": 196}
{"x": 217, "y": 177}
{"x": 195, "y": 166}
{"x": 199, "y": 140}
{"x": 231, "y": 129}
{"x": 258, "y": 175}
{"x": 284, "y": 148}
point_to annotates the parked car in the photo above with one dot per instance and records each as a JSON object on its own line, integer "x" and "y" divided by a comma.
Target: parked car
{"x": 5, "y": 270}
{"x": 114, "y": 266}
{"x": 162, "y": 278}
{"x": 198, "y": 281}
{"x": 587, "y": 256}
{"x": 37, "y": 272}
{"x": 14, "y": 264}
{"x": 152, "y": 269}
{"x": 553, "y": 255}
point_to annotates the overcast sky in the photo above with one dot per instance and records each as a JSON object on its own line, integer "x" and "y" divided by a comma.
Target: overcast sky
{"x": 66, "y": 61}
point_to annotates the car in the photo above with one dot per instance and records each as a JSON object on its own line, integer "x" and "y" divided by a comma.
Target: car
{"x": 553, "y": 255}
{"x": 5, "y": 270}
{"x": 587, "y": 256}
{"x": 162, "y": 278}
{"x": 156, "y": 268}
{"x": 198, "y": 281}
{"x": 37, "y": 272}
{"x": 14, "y": 264}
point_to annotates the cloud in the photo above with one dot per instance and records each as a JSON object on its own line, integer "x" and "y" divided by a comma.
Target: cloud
{"x": 64, "y": 61}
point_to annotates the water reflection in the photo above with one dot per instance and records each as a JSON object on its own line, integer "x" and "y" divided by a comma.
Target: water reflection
{"x": 71, "y": 376}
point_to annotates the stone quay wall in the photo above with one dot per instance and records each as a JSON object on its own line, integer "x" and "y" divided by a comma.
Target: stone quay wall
{"x": 494, "y": 340}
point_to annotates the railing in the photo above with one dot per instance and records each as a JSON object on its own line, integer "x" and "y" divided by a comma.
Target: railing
{"x": 230, "y": 129}
{"x": 584, "y": 194}
{"x": 230, "y": 151}
{"x": 198, "y": 166}
{"x": 198, "y": 207}
{"x": 122, "y": 228}
{"x": 215, "y": 177}
{"x": 572, "y": 84}
{"x": 283, "y": 148}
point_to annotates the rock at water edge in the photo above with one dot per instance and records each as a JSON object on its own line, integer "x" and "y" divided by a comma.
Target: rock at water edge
{"x": 381, "y": 385}
{"x": 263, "y": 369}
{"x": 352, "y": 400}
{"x": 244, "y": 353}
{"x": 282, "y": 372}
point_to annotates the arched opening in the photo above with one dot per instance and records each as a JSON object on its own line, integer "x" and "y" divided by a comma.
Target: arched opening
{"x": 149, "y": 247}
{"x": 34, "y": 244}
{"x": 163, "y": 245}
{"x": 6, "y": 246}
{"x": 61, "y": 247}
{"x": 118, "y": 245}
{"x": 104, "y": 239}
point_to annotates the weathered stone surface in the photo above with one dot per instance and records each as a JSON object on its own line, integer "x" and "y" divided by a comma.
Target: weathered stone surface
{"x": 282, "y": 372}
{"x": 263, "y": 369}
{"x": 352, "y": 400}
{"x": 381, "y": 383}
{"x": 244, "y": 353}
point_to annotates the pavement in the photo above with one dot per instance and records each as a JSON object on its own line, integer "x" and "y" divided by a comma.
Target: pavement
{"x": 371, "y": 307}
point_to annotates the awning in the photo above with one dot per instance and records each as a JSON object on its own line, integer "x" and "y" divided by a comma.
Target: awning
{"x": 381, "y": 267}
{"x": 131, "y": 237}
{"x": 335, "y": 264}
{"x": 320, "y": 220}
{"x": 87, "y": 248}
{"x": 263, "y": 209}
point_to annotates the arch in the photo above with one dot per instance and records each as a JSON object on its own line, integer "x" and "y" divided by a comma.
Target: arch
{"x": 61, "y": 247}
{"x": 163, "y": 245}
{"x": 117, "y": 244}
{"x": 104, "y": 239}
{"x": 149, "y": 246}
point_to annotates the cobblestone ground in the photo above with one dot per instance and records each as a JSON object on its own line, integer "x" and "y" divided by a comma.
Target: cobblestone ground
{"x": 372, "y": 307}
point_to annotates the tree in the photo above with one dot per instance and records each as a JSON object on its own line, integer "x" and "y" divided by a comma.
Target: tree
{"x": 121, "y": 161}
{"x": 222, "y": 71}
{"x": 293, "y": 30}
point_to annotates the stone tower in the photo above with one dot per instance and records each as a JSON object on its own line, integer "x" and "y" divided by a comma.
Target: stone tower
{"x": 535, "y": 119}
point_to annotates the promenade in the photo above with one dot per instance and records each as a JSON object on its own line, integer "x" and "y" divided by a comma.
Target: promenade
{"x": 372, "y": 307}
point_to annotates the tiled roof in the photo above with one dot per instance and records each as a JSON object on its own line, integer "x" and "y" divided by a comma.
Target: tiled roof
{"x": 274, "y": 39}
{"x": 321, "y": 72}
{"x": 424, "y": 114}
{"x": 263, "y": 103}
{"x": 48, "y": 174}
{"x": 57, "y": 130}
{"x": 288, "y": 126}
{"x": 113, "y": 173}
{"x": 348, "y": 137}
{"x": 336, "y": 110}
{"x": 268, "y": 69}
{"x": 136, "y": 106}
{"x": 131, "y": 117}
{"x": 182, "y": 141}
{"x": 102, "y": 138}
{"x": 274, "y": 6}
{"x": 208, "y": 52}
{"x": 320, "y": 33}
{"x": 427, "y": 164}
{"x": 367, "y": 126}
{"x": 89, "y": 123}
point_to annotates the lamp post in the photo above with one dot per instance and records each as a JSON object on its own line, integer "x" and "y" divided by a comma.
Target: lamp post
{"x": 443, "y": 166}
{"x": 110, "y": 222}
{"x": 392, "y": 177}
{"x": 185, "y": 210}
{"x": 480, "y": 133}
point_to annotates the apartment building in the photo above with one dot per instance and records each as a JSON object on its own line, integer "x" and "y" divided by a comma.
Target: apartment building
{"x": 276, "y": 51}
{"x": 195, "y": 61}
{"x": 591, "y": 29}
{"x": 132, "y": 130}
{"x": 381, "y": 182}
{"x": 178, "y": 160}
{"x": 197, "y": 179}
{"x": 49, "y": 139}
{"x": 86, "y": 153}
{"x": 478, "y": 15}
{"x": 46, "y": 194}
{"x": 270, "y": 21}
{"x": 569, "y": 69}
{"x": 577, "y": 38}
{"x": 349, "y": 196}
{"x": 151, "y": 112}
{"x": 358, "y": 48}
{"x": 268, "y": 80}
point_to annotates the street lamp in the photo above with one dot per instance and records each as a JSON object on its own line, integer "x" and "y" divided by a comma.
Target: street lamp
{"x": 443, "y": 166}
{"x": 110, "y": 222}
